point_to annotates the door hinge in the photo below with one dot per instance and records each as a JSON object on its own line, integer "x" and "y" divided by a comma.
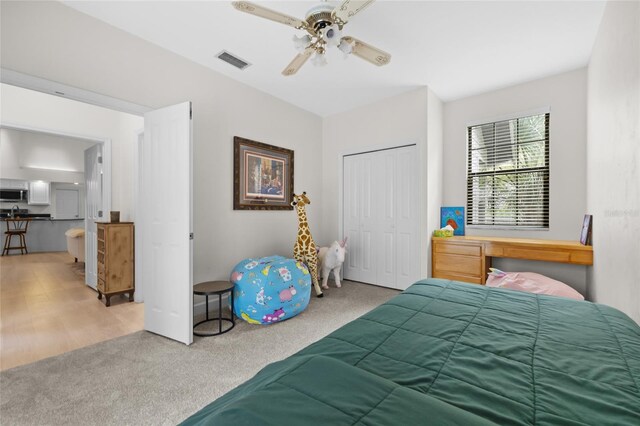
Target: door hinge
{"x": 99, "y": 160}
{"x": 190, "y": 113}
{"x": 99, "y": 213}
{"x": 191, "y": 235}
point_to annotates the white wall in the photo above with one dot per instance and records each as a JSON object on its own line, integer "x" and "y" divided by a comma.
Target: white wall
{"x": 44, "y": 151}
{"x": 565, "y": 94}
{"x": 102, "y": 59}
{"x": 435, "y": 174}
{"x": 613, "y": 158}
{"x": 396, "y": 121}
{"x": 40, "y": 156}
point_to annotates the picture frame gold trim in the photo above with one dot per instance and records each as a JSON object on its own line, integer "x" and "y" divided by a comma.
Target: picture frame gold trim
{"x": 262, "y": 176}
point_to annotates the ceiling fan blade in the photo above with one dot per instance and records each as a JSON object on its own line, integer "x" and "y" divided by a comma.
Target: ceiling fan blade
{"x": 298, "y": 62}
{"x": 349, "y": 8}
{"x": 368, "y": 52}
{"x": 263, "y": 12}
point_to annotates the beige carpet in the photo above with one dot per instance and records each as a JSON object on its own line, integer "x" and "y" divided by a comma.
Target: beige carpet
{"x": 143, "y": 378}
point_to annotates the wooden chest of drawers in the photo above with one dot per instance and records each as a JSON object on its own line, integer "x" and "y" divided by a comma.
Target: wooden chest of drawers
{"x": 459, "y": 261}
{"x": 115, "y": 260}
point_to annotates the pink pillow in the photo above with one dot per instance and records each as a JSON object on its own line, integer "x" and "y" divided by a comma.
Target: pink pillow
{"x": 532, "y": 283}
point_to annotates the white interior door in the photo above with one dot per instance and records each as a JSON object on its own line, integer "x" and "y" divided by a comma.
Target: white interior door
{"x": 165, "y": 222}
{"x": 67, "y": 204}
{"x": 139, "y": 294}
{"x": 93, "y": 176}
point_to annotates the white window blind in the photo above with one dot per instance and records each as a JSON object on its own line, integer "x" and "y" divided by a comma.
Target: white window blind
{"x": 508, "y": 173}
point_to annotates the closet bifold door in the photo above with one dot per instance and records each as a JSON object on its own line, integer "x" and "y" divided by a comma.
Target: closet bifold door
{"x": 359, "y": 218}
{"x": 351, "y": 217}
{"x": 380, "y": 217}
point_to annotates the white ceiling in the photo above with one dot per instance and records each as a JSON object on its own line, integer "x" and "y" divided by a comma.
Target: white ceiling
{"x": 457, "y": 48}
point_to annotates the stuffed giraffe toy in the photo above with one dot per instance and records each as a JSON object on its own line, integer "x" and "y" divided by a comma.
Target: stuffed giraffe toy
{"x": 305, "y": 249}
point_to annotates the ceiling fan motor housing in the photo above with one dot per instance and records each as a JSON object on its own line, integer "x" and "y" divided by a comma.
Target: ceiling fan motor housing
{"x": 319, "y": 17}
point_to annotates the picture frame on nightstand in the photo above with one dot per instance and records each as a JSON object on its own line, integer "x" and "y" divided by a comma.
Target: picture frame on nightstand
{"x": 585, "y": 234}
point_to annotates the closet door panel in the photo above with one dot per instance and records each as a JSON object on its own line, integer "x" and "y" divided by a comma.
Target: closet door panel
{"x": 351, "y": 217}
{"x": 407, "y": 218}
{"x": 386, "y": 199}
{"x": 368, "y": 222}
{"x": 405, "y": 252}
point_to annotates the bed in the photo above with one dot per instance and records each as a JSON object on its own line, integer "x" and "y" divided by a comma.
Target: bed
{"x": 444, "y": 352}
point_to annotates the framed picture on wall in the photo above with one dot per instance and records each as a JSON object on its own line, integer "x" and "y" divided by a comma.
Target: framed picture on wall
{"x": 262, "y": 176}
{"x": 453, "y": 216}
{"x": 585, "y": 234}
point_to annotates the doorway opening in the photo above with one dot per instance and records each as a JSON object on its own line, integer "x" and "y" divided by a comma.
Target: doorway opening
{"x": 131, "y": 184}
{"x": 60, "y": 150}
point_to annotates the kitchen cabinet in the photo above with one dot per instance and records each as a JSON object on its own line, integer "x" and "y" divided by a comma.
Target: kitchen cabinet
{"x": 39, "y": 193}
{"x": 13, "y": 184}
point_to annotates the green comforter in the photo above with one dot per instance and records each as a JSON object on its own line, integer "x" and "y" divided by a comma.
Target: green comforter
{"x": 443, "y": 353}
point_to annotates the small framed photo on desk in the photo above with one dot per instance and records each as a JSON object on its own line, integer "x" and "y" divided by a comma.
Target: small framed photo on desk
{"x": 585, "y": 234}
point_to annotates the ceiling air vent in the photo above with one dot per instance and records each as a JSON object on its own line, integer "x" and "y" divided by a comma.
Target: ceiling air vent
{"x": 232, "y": 60}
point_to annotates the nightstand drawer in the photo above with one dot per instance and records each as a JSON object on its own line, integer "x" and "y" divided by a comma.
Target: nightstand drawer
{"x": 452, "y": 263}
{"x": 458, "y": 277}
{"x": 464, "y": 249}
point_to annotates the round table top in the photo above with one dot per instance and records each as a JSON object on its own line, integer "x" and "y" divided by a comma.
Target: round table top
{"x": 212, "y": 287}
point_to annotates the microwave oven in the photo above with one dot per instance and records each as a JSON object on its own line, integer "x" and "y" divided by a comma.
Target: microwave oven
{"x": 13, "y": 195}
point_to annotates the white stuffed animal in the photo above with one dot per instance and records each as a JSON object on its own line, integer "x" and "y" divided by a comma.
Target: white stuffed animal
{"x": 331, "y": 259}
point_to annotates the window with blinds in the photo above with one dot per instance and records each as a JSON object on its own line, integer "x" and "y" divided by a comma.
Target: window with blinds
{"x": 508, "y": 173}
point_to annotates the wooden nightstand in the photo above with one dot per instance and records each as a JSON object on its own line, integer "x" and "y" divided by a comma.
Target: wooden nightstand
{"x": 459, "y": 260}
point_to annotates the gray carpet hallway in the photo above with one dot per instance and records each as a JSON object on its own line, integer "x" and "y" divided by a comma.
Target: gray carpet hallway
{"x": 143, "y": 378}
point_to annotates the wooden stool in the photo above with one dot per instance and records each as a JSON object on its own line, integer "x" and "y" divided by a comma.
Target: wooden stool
{"x": 16, "y": 227}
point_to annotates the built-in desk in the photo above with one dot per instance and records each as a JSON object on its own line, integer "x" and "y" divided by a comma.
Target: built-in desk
{"x": 469, "y": 258}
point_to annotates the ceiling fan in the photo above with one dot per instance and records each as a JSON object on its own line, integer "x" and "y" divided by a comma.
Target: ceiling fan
{"x": 323, "y": 24}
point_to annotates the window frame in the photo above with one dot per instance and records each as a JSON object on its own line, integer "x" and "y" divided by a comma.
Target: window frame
{"x": 506, "y": 117}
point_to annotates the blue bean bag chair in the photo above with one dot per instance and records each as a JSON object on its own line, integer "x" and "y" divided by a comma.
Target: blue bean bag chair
{"x": 270, "y": 289}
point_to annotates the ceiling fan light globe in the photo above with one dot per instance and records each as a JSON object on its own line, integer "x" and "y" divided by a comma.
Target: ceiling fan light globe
{"x": 345, "y": 47}
{"x": 332, "y": 35}
{"x": 301, "y": 43}
{"x": 319, "y": 60}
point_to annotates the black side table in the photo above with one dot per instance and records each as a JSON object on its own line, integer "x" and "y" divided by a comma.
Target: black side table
{"x": 219, "y": 288}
